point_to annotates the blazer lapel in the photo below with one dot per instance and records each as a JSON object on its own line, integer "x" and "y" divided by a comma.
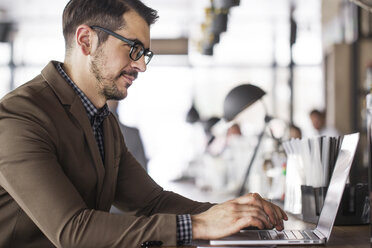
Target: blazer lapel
{"x": 108, "y": 189}
{"x": 68, "y": 97}
{"x": 77, "y": 110}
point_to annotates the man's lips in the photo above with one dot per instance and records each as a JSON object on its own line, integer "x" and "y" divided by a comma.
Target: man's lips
{"x": 129, "y": 79}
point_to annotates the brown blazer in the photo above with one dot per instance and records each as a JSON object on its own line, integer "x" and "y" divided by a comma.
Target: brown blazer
{"x": 54, "y": 188}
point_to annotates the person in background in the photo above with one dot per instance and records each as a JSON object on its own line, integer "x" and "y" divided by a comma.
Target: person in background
{"x": 217, "y": 145}
{"x": 131, "y": 135}
{"x": 318, "y": 119}
{"x": 234, "y": 137}
{"x": 295, "y": 132}
{"x": 64, "y": 162}
{"x": 233, "y": 131}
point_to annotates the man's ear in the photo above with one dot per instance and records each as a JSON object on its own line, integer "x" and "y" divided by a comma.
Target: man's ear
{"x": 84, "y": 39}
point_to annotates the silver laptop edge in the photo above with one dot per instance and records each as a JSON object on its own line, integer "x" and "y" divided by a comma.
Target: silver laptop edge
{"x": 331, "y": 203}
{"x": 339, "y": 177}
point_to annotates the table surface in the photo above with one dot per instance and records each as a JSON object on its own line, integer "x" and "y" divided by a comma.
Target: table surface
{"x": 341, "y": 236}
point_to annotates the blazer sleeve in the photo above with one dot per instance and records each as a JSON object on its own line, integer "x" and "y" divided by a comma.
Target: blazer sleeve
{"x": 137, "y": 191}
{"x": 31, "y": 174}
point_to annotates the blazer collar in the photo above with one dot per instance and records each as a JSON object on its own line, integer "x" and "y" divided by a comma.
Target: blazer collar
{"x": 64, "y": 92}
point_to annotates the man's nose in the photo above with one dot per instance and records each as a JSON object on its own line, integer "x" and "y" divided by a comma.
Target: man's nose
{"x": 139, "y": 65}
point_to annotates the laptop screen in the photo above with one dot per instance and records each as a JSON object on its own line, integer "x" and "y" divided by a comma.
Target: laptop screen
{"x": 337, "y": 184}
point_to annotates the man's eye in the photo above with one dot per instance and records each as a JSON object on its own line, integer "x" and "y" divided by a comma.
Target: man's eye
{"x": 135, "y": 48}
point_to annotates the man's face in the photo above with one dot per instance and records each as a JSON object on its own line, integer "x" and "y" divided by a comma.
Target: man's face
{"x": 294, "y": 133}
{"x": 111, "y": 65}
{"x": 317, "y": 121}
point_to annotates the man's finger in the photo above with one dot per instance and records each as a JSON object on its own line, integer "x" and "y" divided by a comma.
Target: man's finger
{"x": 246, "y": 211}
{"x": 270, "y": 211}
{"x": 252, "y": 199}
{"x": 252, "y": 221}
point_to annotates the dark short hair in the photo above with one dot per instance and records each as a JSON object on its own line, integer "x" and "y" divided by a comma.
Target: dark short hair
{"x": 318, "y": 113}
{"x": 105, "y": 13}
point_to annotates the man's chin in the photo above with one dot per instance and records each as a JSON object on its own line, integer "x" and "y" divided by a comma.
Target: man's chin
{"x": 117, "y": 96}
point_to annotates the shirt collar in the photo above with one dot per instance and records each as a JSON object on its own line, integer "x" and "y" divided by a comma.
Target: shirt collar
{"x": 91, "y": 110}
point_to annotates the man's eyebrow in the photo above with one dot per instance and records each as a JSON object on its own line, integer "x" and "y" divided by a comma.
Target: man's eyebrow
{"x": 138, "y": 41}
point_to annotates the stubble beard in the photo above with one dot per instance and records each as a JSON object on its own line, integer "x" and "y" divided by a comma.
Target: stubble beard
{"x": 106, "y": 85}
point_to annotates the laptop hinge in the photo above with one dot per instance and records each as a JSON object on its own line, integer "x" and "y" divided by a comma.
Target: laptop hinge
{"x": 319, "y": 234}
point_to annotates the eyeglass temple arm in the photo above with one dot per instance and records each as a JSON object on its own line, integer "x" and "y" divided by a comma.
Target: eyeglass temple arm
{"x": 114, "y": 34}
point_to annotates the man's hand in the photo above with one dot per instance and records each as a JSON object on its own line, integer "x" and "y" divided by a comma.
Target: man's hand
{"x": 229, "y": 217}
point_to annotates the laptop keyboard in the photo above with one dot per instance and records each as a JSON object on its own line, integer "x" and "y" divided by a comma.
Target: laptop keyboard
{"x": 286, "y": 234}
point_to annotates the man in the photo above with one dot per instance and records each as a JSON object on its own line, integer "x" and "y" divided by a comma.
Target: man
{"x": 62, "y": 160}
{"x": 295, "y": 132}
{"x": 318, "y": 119}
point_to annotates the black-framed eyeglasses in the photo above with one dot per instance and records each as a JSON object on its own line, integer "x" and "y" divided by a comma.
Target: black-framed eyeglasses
{"x": 136, "y": 48}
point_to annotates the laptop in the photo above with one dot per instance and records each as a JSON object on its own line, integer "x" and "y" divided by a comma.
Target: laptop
{"x": 322, "y": 232}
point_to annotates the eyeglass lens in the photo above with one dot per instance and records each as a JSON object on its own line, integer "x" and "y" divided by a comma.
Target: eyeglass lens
{"x": 137, "y": 51}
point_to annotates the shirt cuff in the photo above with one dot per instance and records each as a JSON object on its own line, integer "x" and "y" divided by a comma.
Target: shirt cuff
{"x": 184, "y": 229}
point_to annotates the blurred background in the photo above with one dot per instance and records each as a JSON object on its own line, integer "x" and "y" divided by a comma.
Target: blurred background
{"x": 303, "y": 54}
